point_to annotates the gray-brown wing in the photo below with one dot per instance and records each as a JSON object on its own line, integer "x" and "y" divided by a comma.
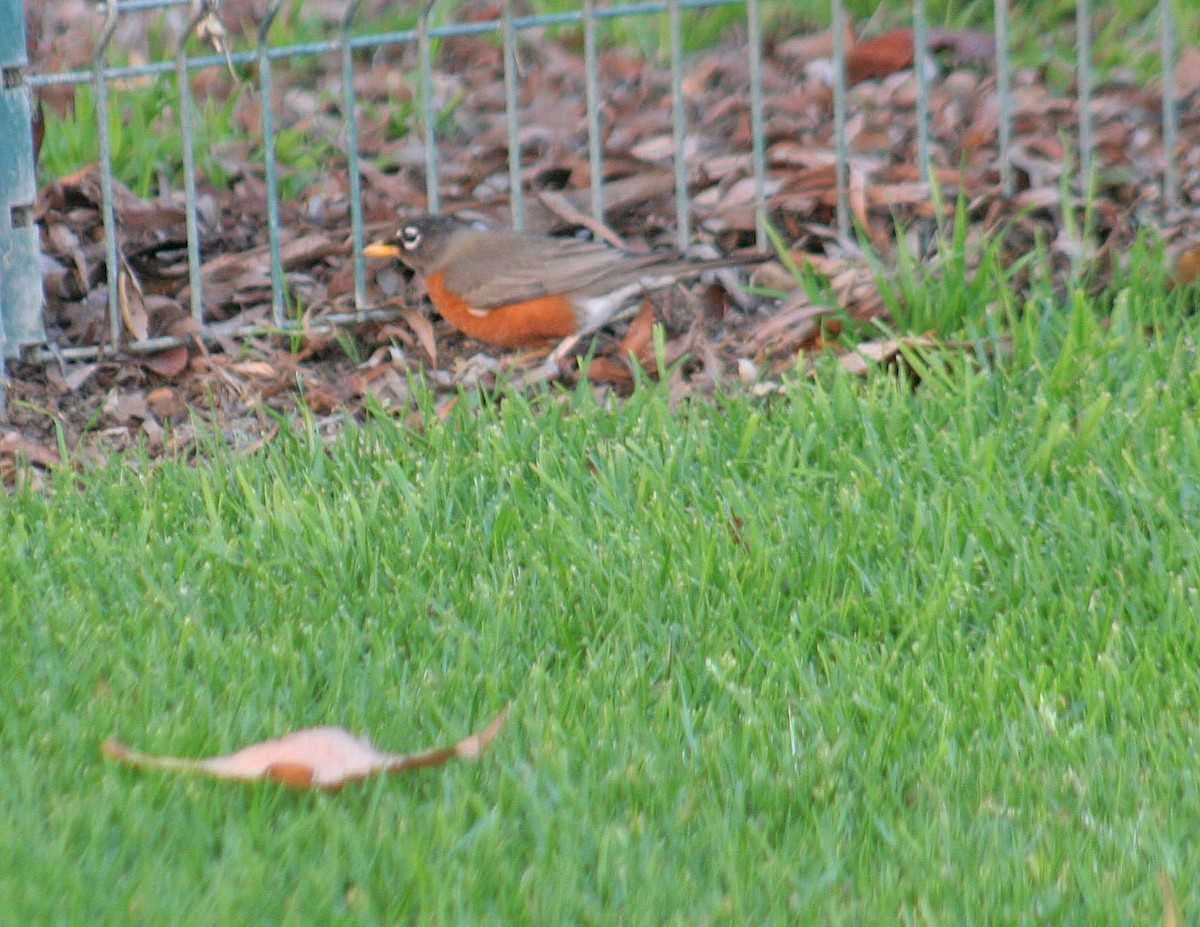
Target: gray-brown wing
{"x": 511, "y": 268}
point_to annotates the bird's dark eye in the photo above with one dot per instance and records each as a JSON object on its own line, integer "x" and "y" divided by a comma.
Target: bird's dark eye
{"x": 410, "y": 237}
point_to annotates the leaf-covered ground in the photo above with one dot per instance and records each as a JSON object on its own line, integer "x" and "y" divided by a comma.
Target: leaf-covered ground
{"x": 714, "y": 335}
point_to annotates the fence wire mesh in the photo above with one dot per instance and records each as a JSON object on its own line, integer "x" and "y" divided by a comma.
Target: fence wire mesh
{"x": 255, "y": 58}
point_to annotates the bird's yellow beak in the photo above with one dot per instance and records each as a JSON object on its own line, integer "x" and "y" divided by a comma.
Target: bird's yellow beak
{"x": 381, "y": 249}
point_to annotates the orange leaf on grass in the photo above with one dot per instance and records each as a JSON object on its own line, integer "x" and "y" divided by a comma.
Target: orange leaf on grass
{"x": 319, "y": 757}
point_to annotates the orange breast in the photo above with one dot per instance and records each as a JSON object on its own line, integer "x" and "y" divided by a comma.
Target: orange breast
{"x": 518, "y": 326}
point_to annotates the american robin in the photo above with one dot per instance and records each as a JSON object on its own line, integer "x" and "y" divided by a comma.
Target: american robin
{"x": 515, "y": 289}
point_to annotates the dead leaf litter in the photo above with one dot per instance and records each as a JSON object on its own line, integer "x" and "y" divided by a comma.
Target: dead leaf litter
{"x": 234, "y": 380}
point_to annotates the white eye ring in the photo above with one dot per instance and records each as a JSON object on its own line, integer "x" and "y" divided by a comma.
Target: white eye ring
{"x": 410, "y": 237}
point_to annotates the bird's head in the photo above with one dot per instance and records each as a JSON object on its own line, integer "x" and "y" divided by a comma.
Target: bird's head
{"x": 420, "y": 243}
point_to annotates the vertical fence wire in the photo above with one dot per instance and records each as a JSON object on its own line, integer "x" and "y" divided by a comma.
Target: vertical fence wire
{"x": 842, "y": 155}
{"x": 1004, "y": 95}
{"x": 350, "y": 106}
{"x": 425, "y": 54}
{"x": 1170, "y": 108}
{"x": 591, "y": 67}
{"x": 758, "y": 131}
{"x": 271, "y": 172}
{"x": 683, "y": 231}
{"x": 187, "y": 118}
{"x": 1083, "y": 64}
{"x": 920, "y": 44}
{"x": 104, "y": 140}
{"x": 512, "y": 117}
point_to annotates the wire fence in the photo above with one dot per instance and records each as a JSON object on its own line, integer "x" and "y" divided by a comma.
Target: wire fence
{"x": 22, "y": 324}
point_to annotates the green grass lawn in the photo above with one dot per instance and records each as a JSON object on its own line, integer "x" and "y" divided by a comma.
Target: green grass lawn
{"x": 858, "y": 654}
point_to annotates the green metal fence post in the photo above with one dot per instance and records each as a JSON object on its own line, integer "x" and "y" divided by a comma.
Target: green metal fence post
{"x": 20, "y": 262}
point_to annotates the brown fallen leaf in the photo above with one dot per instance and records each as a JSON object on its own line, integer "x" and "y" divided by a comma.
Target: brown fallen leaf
{"x": 603, "y": 370}
{"x": 884, "y": 351}
{"x": 639, "y": 340}
{"x": 169, "y": 363}
{"x": 308, "y": 249}
{"x": 446, "y": 409}
{"x": 18, "y": 446}
{"x": 878, "y": 57}
{"x": 71, "y": 378}
{"x": 1187, "y": 74}
{"x": 1187, "y": 267}
{"x": 133, "y": 306}
{"x": 254, "y": 369}
{"x": 568, "y": 212}
{"x": 165, "y": 402}
{"x": 319, "y": 757}
{"x": 858, "y": 201}
{"x": 805, "y": 48}
{"x": 423, "y": 329}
